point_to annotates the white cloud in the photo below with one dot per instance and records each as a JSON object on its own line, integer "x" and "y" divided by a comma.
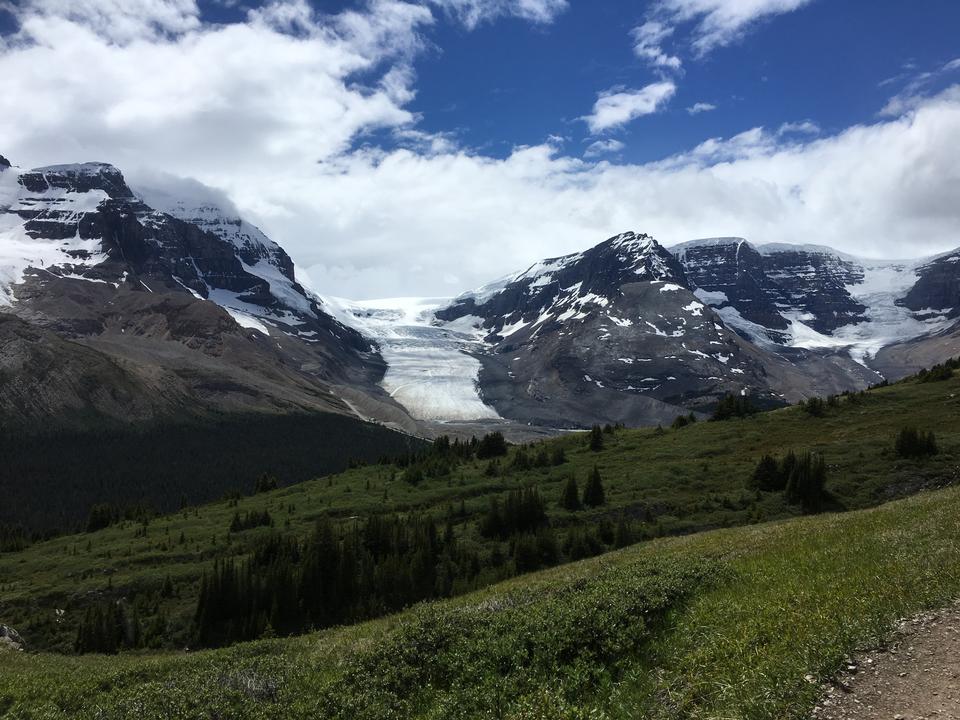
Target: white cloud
{"x": 701, "y": 107}
{"x": 887, "y": 189}
{"x": 618, "y": 107}
{"x": 603, "y": 147}
{"x": 648, "y": 39}
{"x": 720, "y": 22}
{"x": 119, "y": 21}
{"x": 474, "y": 12}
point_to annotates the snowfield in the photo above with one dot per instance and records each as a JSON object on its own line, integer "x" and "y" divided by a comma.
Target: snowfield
{"x": 429, "y": 370}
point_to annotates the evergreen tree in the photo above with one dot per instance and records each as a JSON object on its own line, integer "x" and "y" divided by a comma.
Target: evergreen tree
{"x": 624, "y": 533}
{"x": 806, "y": 483}
{"x": 491, "y": 445}
{"x": 596, "y": 438}
{"x": 733, "y": 406}
{"x": 265, "y": 483}
{"x": 570, "y": 498}
{"x": 558, "y": 456}
{"x": 912, "y": 443}
{"x": 767, "y": 475}
{"x": 593, "y": 492}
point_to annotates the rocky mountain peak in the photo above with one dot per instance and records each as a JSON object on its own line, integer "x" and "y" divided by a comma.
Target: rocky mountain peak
{"x": 78, "y": 178}
{"x": 563, "y": 287}
{"x": 4, "y": 163}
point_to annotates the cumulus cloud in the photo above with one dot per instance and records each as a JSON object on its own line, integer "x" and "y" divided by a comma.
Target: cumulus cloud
{"x": 616, "y": 107}
{"x": 119, "y": 21}
{"x": 701, "y": 107}
{"x": 883, "y": 190}
{"x": 277, "y": 113}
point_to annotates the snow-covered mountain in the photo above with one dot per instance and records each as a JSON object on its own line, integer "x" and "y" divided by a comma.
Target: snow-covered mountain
{"x": 198, "y": 308}
{"x": 630, "y": 331}
{"x": 160, "y": 302}
{"x": 816, "y": 298}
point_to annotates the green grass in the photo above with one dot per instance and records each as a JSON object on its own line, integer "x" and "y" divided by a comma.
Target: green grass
{"x": 723, "y": 624}
{"x": 676, "y": 482}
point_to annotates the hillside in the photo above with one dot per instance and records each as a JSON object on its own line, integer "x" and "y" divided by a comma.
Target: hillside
{"x": 656, "y": 482}
{"x": 733, "y": 623}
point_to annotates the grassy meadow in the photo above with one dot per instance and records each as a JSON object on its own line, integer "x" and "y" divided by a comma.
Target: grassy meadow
{"x": 728, "y": 602}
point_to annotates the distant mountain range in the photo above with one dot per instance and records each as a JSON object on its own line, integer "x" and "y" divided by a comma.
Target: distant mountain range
{"x": 130, "y": 305}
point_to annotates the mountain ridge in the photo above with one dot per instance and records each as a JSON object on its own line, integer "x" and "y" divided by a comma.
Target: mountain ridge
{"x": 625, "y": 331}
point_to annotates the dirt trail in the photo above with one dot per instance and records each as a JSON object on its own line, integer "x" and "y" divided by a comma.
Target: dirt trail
{"x": 918, "y": 677}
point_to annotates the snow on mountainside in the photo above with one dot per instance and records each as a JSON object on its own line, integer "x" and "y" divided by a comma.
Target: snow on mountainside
{"x": 40, "y": 215}
{"x": 813, "y": 297}
{"x": 567, "y": 288}
{"x": 83, "y": 222}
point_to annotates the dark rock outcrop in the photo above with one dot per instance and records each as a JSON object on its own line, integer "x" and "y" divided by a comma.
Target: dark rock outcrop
{"x": 937, "y": 287}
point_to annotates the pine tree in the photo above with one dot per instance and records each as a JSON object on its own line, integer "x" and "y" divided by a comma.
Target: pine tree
{"x": 806, "y": 483}
{"x": 593, "y": 493}
{"x": 624, "y": 533}
{"x": 491, "y": 445}
{"x": 596, "y": 438}
{"x": 912, "y": 443}
{"x": 570, "y": 498}
{"x": 558, "y": 456}
{"x": 767, "y": 476}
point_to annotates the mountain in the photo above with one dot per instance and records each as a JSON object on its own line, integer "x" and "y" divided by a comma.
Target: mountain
{"x": 145, "y": 304}
{"x": 189, "y": 309}
{"x": 628, "y": 332}
{"x": 813, "y": 297}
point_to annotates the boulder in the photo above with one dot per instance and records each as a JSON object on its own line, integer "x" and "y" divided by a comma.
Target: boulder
{"x": 10, "y": 639}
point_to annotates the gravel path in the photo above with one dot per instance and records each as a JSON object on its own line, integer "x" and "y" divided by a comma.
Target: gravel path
{"x": 918, "y": 677}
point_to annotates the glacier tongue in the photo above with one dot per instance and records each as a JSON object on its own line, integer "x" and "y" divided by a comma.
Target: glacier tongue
{"x": 429, "y": 370}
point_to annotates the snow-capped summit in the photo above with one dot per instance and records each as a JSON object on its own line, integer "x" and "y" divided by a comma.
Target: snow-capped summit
{"x": 565, "y": 288}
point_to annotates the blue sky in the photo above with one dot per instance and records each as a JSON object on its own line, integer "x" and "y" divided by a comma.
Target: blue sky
{"x": 508, "y": 82}
{"x": 425, "y": 146}
{"x": 824, "y": 62}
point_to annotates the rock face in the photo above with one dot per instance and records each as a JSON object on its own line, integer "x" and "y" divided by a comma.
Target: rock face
{"x": 10, "y": 639}
{"x": 141, "y": 313}
{"x": 814, "y": 297}
{"x": 938, "y": 287}
{"x": 731, "y": 270}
